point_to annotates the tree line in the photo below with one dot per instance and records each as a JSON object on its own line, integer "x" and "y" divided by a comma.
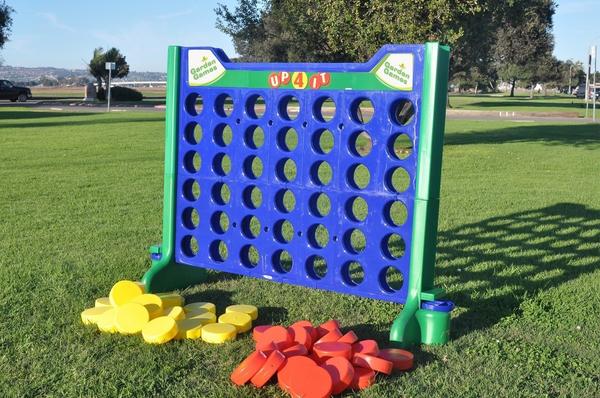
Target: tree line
{"x": 491, "y": 41}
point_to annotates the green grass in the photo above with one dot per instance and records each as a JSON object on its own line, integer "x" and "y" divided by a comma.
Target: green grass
{"x": 519, "y": 252}
{"x": 520, "y": 103}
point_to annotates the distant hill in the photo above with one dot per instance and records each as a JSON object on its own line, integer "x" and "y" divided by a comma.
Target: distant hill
{"x": 49, "y": 76}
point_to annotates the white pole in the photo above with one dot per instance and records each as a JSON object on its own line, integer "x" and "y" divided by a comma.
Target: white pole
{"x": 595, "y": 70}
{"x": 109, "y": 77}
{"x": 587, "y": 83}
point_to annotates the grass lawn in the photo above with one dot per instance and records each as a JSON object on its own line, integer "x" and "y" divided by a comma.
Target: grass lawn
{"x": 152, "y": 95}
{"x": 520, "y": 103}
{"x": 519, "y": 253}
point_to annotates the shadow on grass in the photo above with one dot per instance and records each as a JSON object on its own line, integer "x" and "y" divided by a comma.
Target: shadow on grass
{"x": 28, "y": 115}
{"x": 579, "y": 135}
{"x": 526, "y": 102}
{"x": 89, "y": 122}
{"x": 498, "y": 262}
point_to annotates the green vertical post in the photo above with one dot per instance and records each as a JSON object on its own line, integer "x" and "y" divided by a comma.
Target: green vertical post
{"x": 165, "y": 274}
{"x": 409, "y": 327}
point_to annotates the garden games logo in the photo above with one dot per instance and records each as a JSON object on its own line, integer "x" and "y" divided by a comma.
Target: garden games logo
{"x": 204, "y": 67}
{"x": 396, "y": 71}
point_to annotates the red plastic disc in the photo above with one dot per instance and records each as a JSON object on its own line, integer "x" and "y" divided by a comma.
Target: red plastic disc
{"x": 311, "y": 329}
{"x": 275, "y": 334}
{"x": 363, "y": 378}
{"x": 258, "y": 330}
{"x": 274, "y": 361}
{"x": 301, "y": 335}
{"x": 366, "y": 347}
{"x": 349, "y": 338}
{"x": 341, "y": 372}
{"x": 248, "y": 368}
{"x": 330, "y": 337}
{"x": 301, "y": 377}
{"x": 372, "y": 362}
{"x": 332, "y": 349}
{"x": 402, "y": 359}
{"x": 327, "y": 327}
{"x": 297, "y": 349}
{"x": 288, "y": 371}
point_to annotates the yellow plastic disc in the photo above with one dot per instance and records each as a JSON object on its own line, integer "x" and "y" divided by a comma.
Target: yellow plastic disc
{"x": 159, "y": 330}
{"x": 242, "y": 322}
{"x": 91, "y": 315}
{"x": 176, "y": 313}
{"x": 197, "y": 307}
{"x": 152, "y": 302}
{"x": 130, "y": 318}
{"x": 189, "y": 329}
{"x": 244, "y": 309}
{"x": 171, "y": 299}
{"x": 103, "y": 302}
{"x": 124, "y": 291}
{"x": 205, "y": 317}
{"x": 218, "y": 333}
{"x": 106, "y": 321}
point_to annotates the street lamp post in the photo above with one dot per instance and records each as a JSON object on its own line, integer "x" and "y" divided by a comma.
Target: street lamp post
{"x": 110, "y": 66}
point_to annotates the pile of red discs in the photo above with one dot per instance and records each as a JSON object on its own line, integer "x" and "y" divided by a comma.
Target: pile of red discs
{"x": 316, "y": 361}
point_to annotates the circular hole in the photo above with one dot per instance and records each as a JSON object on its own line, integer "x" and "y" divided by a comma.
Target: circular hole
{"x": 192, "y": 162}
{"x": 341, "y": 126}
{"x": 359, "y": 176}
{"x": 304, "y": 124}
{"x": 191, "y": 190}
{"x": 222, "y": 164}
{"x": 219, "y": 222}
{"x": 396, "y": 213}
{"x": 194, "y": 104}
{"x": 324, "y": 109}
{"x": 255, "y": 106}
{"x": 353, "y": 273}
{"x": 251, "y": 227}
{"x": 394, "y": 246}
{"x": 190, "y": 218}
{"x": 224, "y": 105}
{"x": 321, "y": 173}
{"x": 320, "y": 204}
{"x": 316, "y": 267}
{"x": 253, "y": 167}
{"x": 355, "y": 241}
{"x": 318, "y": 236}
{"x": 323, "y": 141}
{"x": 403, "y": 112}
{"x": 286, "y": 170}
{"x": 254, "y": 137}
{"x": 238, "y": 121}
{"x": 391, "y": 279}
{"x": 270, "y": 122}
{"x": 357, "y": 209}
{"x": 223, "y": 135}
{"x": 284, "y": 231}
{"x": 249, "y": 256}
{"x": 219, "y": 251}
{"x": 193, "y": 133}
{"x": 282, "y": 261}
{"x": 398, "y": 179}
{"x": 289, "y": 107}
{"x": 252, "y": 197}
{"x": 361, "y": 143}
{"x": 400, "y": 146}
{"x": 287, "y": 139}
{"x": 189, "y": 246}
{"x": 362, "y": 110}
{"x": 285, "y": 200}
{"x": 221, "y": 193}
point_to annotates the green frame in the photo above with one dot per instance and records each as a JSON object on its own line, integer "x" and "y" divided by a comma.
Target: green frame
{"x": 413, "y": 325}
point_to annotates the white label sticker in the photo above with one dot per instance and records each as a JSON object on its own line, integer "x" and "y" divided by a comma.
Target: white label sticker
{"x": 204, "y": 67}
{"x": 396, "y": 70}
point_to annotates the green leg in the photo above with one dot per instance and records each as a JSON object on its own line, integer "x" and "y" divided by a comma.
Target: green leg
{"x": 405, "y": 330}
{"x": 166, "y": 275}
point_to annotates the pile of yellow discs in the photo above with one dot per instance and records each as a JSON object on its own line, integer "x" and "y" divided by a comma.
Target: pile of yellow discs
{"x": 162, "y": 317}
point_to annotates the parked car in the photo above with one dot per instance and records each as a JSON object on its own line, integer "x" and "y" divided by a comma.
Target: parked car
{"x": 579, "y": 92}
{"x": 9, "y": 91}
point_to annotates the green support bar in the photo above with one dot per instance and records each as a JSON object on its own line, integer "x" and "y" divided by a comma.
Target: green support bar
{"x": 164, "y": 274}
{"x": 414, "y": 325}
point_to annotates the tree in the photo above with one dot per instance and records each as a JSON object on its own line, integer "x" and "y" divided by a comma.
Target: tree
{"x": 5, "y": 22}
{"x": 97, "y": 65}
{"x": 524, "y": 40}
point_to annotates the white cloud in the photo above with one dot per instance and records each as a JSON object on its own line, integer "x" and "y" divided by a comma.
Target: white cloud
{"x": 54, "y": 21}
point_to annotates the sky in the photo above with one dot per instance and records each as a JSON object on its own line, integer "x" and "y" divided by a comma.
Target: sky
{"x": 63, "y": 33}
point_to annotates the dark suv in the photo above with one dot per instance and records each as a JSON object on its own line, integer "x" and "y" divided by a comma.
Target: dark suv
{"x": 14, "y": 93}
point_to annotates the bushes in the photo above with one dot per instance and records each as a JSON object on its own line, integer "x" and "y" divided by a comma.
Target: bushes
{"x": 120, "y": 94}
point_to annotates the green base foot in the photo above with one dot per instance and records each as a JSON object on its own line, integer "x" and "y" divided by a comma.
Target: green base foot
{"x": 413, "y": 327}
{"x": 167, "y": 276}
